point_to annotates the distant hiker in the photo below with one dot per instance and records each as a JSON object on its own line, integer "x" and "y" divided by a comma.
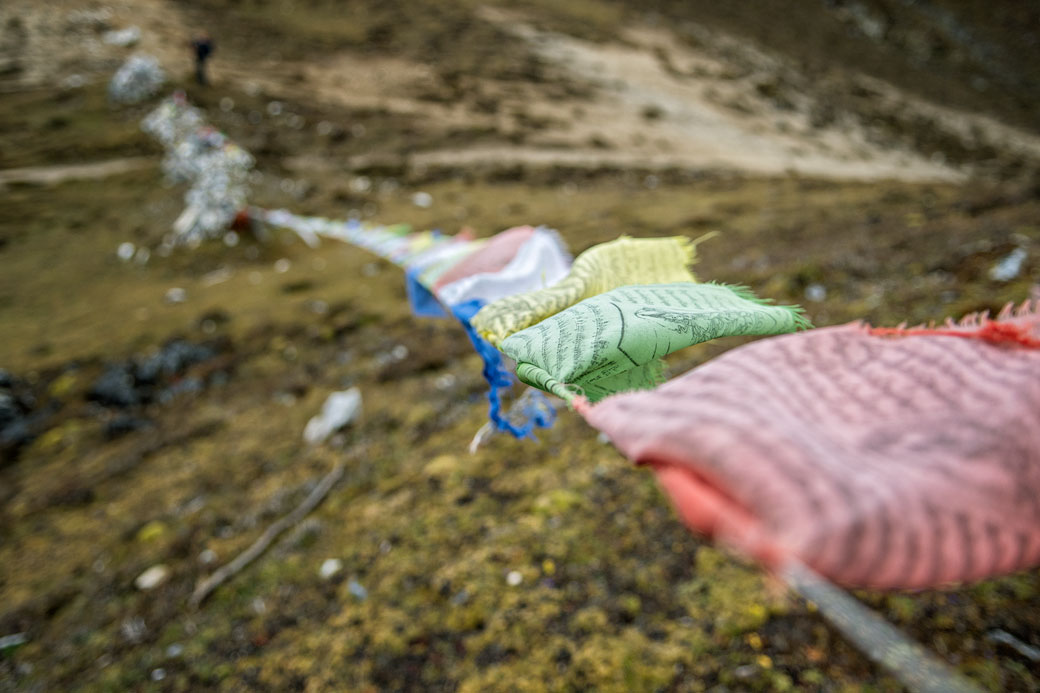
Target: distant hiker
{"x": 203, "y": 47}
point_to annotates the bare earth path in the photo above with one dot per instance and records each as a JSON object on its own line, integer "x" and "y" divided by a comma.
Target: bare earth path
{"x": 50, "y": 175}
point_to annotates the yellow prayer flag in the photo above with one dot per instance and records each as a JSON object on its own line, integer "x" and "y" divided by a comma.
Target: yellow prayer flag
{"x": 603, "y": 267}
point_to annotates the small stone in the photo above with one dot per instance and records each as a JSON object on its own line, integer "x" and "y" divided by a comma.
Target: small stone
{"x": 174, "y": 650}
{"x": 9, "y": 642}
{"x": 208, "y": 557}
{"x": 514, "y": 578}
{"x": 1010, "y": 267}
{"x": 330, "y": 567}
{"x": 317, "y": 306}
{"x": 175, "y": 295}
{"x": 158, "y": 674}
{"x": 114, "y": 388}
{"x": 745, "y": 671}
{"x": 815, "y": 293}
{"x": 422, "y": 199}
{"x": 152, "y": 578}
{"x": 282, "y": 266}
{"x": 357, "y": 590}
{"x": 125, "y": 251}
{"x": 133, "y": 629}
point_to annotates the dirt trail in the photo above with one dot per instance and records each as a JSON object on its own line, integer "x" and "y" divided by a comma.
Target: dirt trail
{"x": 50, "y": 175}
{"x": 647, "y": 101}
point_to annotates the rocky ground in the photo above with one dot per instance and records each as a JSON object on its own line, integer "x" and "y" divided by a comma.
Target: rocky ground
{"x": 869, "y": 160}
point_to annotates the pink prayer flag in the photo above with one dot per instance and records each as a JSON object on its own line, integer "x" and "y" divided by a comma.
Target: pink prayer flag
{"x": 884, "y": 458}
{"x": 492, "y": 257}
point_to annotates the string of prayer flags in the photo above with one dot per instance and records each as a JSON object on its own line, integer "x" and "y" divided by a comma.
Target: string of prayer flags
{"x": 601, "y": 268}
{"x": 216, "y": 167}
{"x": 891, "y": 459}
{"x": 613, "y": 342}
{"x": 514, "y": 261}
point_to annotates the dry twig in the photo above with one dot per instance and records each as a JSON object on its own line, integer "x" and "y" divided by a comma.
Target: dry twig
{"x": 229, "y": 570}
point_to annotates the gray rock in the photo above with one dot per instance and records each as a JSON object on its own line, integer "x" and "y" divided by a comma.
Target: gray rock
{"x": 115, "y": 388}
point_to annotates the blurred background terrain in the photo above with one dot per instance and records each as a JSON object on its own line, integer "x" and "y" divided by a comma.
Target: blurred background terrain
{"x": 872, "y": 159}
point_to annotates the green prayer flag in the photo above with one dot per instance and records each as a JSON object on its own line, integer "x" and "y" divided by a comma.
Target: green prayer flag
{"x": 602, "y": 267}
{"x": 613, "y": 342}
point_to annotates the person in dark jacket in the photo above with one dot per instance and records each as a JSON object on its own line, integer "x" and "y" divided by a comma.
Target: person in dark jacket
{"x": 203, "y": 47}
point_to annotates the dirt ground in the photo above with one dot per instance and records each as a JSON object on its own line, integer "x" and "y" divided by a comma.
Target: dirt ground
{"x": 869, "y": 160}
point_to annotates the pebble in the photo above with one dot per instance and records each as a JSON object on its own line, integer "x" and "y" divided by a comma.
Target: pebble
{"x": 207, "y": 557}
{"x": 122, "y": 37}
{"x": 1009, "y": 267}
{"x": 175, "y": 295}
{"x": 514, "y": 578}
{"x": 745, "y": 671}
{"x": 8, "y": 642}
{"x": 422, "y": 199}
{"x": 357, "y": 590}
{"x": 133, "y": 629}
{"x": 152, "y": 578}
{"x": 330, "y": 567}
{"x": 126, "y": 251}
{"x": 114, "y": 388}
{"x": 174, "y": 650}
{"x": 282, "y": 266}
{"x": 815, "y": 293}
{"x": 158, "y": 674}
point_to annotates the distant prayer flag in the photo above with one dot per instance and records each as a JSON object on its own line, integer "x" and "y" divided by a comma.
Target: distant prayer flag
{"x": 539, "y": 262}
